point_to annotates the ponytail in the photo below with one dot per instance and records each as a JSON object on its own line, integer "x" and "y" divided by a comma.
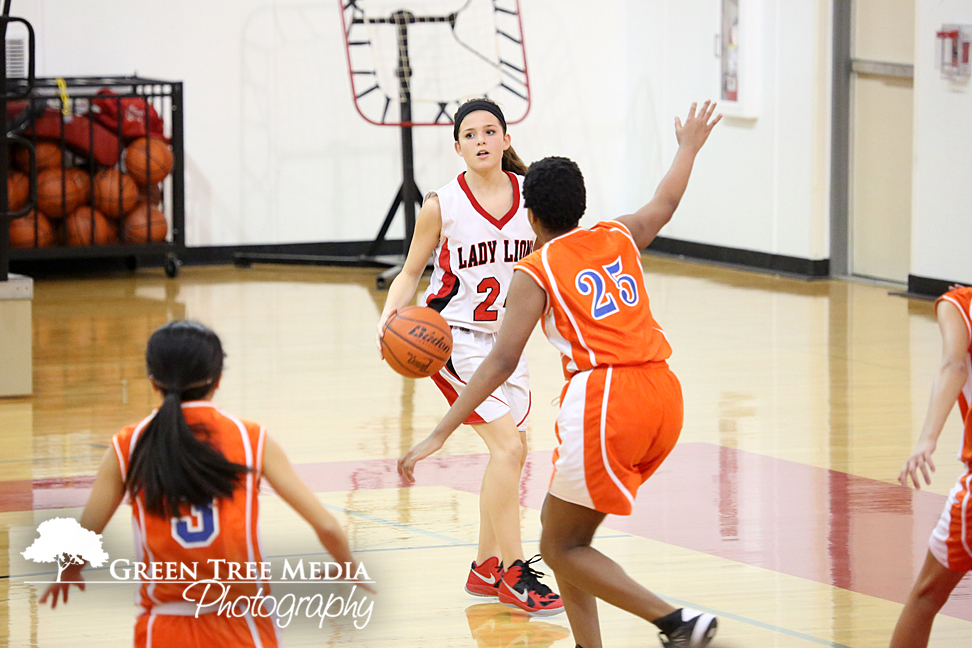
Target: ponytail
{"x": 513, "y": 163}
{"x": 170, "y": 465}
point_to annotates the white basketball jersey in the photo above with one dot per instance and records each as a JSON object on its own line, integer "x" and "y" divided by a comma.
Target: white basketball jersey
{"x": 475, "y": 257}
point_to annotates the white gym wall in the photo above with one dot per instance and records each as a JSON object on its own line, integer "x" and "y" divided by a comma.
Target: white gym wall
{"x": 275, "y": 152}
{"x": 941, "y": 232}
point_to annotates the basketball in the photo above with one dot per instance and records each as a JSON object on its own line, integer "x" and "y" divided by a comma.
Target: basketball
{"x": 115, "y": 193}
{"x": 48, "y": 157}
{"x": 136, "y": 225}
{"x": 79, "y": 227}
{"x": 22, "y": 231}
{"x": 18, "y": 189}
{"x": 416, "y": 342}
{"x": 148, "y": 161}
{"x": 61, "y": 192}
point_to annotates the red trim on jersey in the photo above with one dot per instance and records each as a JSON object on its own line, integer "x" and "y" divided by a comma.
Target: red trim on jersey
{"x": 449, "y": 280}
{"x": 529, "y": 407}
{"x": 485, "y": 214}
{"x": 451, "y": 395}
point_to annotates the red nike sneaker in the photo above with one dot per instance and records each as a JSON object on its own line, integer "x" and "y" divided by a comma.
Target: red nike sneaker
{"x": 521, "y": 587}
{"x": 484, "y": 579}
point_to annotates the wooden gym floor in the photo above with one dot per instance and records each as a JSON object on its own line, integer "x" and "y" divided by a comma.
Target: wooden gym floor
{"x": 778, "y": 510}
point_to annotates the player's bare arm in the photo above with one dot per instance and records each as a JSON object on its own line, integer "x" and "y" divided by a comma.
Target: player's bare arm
{"x": 107, "y": 493}
{"x": 281, "y": 475}
{"x": 428, "y": 227}
{"x": 645, "y": 223}
{"x": 952, "y": 373}
{"x": 525, "y": 304}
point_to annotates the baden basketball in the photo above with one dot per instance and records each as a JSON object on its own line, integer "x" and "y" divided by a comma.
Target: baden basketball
{"x": 148, "y": 160}
{"x": 416, "y": 342}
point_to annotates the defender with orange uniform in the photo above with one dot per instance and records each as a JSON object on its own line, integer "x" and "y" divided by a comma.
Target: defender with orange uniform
{"x": 621, "y": 409}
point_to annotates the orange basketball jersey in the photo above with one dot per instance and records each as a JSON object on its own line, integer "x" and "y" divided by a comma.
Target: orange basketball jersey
{"x": 961, "y": 298}
{"x": 225, "y": 530}
{"x": 597, "y": 308}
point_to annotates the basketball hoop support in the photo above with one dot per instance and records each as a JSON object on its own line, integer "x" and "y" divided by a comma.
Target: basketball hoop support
{"x": 408, "y": 196}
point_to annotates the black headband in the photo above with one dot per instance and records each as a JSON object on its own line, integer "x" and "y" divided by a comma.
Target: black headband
{"x": 473, "y": 106}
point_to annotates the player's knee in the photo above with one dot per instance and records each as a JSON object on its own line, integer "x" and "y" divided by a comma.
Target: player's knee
{"x": 552, "y": 549}
{"x": 931, "y": 593}
{"x": 509, "y": 451}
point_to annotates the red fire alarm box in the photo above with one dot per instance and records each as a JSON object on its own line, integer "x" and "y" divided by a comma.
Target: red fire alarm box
{"x": 955, "y": 42}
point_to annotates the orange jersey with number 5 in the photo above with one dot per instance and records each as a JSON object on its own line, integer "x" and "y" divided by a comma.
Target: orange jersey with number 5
{"x": 225, "y": 530}
{"x": 597, "y": 310}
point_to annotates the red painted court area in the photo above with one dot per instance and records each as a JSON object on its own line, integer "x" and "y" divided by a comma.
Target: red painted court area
{"x": 825, "y": 526}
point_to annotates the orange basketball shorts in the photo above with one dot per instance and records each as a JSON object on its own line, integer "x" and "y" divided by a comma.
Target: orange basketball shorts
{"x": 616, "y": 426}
{"x": 207, "y": 631}
{"x": 951, "y": 541}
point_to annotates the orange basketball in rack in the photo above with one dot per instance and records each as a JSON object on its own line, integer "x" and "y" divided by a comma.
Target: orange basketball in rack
{"x": 48, "y": 157}
{"x": 416, "y": 342}
{"x": 60, "y": 193}
{"x": 22, "y": 231}
{"x": 88, "y": 226}
{"x": 115, "y": 193}
{"x": 148, "y": 160}
{"x": 136, "y": 225}
{"x": 18, "y": 189}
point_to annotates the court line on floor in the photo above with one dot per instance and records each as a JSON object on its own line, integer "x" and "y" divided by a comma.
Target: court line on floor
{"x": 759, "y": 624}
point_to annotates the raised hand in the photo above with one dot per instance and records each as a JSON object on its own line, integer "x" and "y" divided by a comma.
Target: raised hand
{"x": 697, "y": 127}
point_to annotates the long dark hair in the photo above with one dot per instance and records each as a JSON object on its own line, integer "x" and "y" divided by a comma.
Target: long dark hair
{"x": 511, "y": 161}
{"x": 170, "y": 466}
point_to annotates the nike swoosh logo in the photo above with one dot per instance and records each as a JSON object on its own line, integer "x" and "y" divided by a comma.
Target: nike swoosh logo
{"x": 490, "y": 581}
{"x": 522, "y": 597}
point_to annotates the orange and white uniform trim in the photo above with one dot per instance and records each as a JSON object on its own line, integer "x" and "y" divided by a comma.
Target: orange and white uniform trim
{"x": 621, "y": 409}
{"x": 225, "y": 530}
{"x": 951, "y": 541}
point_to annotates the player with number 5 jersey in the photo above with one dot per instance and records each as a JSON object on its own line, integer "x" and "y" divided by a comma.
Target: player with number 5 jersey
{"x": 192, "y": 473}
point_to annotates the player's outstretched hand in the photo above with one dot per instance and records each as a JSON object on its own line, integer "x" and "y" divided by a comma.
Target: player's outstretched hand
{"x": 70, "y": 573}
{"x": 697, "y": 127}
{"x": 920, "y": 459}
{"x": 419, "y": 451}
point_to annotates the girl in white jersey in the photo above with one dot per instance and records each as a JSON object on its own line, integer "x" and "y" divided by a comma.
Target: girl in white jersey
{"x": 477, "y": 228}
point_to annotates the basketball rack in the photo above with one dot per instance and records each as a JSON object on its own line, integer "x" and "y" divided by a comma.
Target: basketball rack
{"x": 17, "y": 89}
{"x": 409, "y": 196}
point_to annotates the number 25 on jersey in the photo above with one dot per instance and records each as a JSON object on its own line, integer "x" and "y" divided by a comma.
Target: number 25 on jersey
{"x": 594, "y": 281}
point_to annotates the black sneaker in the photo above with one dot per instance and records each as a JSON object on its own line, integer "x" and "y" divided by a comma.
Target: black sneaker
{"x": 521, "y": 588}
{"x": 695, "y": 631}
